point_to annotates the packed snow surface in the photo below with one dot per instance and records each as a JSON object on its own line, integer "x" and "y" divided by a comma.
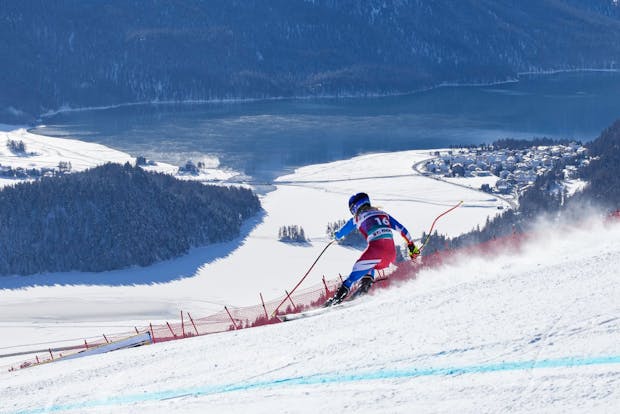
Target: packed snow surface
{"x": 533, "y": 330}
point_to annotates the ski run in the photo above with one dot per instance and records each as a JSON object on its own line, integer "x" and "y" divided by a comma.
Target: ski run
{"x": 534, "y": 330}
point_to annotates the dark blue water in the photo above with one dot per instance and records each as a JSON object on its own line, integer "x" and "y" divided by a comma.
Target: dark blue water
{"x": 263, "y": 138}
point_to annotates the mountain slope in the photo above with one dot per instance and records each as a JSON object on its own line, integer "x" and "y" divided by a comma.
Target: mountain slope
{"x": 82, "y": 53}
{"x": 529, "y": 331}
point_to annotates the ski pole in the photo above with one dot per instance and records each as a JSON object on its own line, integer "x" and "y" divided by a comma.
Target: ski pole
{"x": 303, "y": 278}
{"x": 428, "y": 236}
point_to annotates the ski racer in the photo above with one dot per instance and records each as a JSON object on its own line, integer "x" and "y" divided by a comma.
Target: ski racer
{"x": 376, "y": 226}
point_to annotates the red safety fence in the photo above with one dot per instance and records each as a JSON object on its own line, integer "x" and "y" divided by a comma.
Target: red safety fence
{"x": 233, "y": 318}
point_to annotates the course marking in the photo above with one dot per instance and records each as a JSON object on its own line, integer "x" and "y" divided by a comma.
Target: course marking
{"x": 329, "y": 378}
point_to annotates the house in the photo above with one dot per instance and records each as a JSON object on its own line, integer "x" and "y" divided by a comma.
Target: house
{"x": 571, "y": 172}
{"x": 524, "y": 176}
{"x": 516, "y": 169}
{"x": 458, "y": 170}
{"x": 503, "y": 187}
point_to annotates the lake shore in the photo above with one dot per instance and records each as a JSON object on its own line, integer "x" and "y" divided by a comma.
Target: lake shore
{"x": 232, "y": 100}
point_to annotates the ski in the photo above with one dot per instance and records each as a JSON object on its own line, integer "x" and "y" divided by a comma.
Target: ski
{"x": 312, "y": 312}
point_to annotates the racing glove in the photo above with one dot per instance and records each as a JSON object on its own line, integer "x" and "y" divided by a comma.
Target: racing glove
{"x": 414, "y": 251}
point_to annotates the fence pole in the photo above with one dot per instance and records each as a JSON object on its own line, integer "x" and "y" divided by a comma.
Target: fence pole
{"x": 171, "y": 331}
{"x": 106, "y": 339}
{"x": 190, "y": 318}
{"x": 231, "y": 318}
{"x": 326, "y": 288}
{"x": 182, "y": 324}
{"x": 291, "y": 299}
{"x": 51, "y": 355}
{"x": 264, "y": 307}
{"x": 85, "y": 344}
{"x": 152, "y": 332}
{"x": 137, "y": 332}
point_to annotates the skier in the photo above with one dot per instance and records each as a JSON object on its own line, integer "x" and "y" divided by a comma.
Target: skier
{"x": 376, "y": 226}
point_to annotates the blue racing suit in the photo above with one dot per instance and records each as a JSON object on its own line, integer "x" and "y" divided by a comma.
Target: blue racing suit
{"x": 376, "y": 226}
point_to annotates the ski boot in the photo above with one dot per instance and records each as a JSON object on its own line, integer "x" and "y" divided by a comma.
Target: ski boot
{"x": 341, "y": 293}
{"x": 365, "y": 285}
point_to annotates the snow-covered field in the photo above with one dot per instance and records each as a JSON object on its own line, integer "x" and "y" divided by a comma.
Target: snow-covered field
{"x": 46, "y": 152}
{"x": 531, "y": 331}
{"x": 43, "y": 152}
{"x": 526, "y": 332}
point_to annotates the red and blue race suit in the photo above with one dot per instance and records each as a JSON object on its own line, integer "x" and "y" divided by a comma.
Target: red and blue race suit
{"x": 376, "y": 226}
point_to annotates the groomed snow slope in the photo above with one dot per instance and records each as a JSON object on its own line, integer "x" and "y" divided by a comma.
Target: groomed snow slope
{"x": 536, "y": 330}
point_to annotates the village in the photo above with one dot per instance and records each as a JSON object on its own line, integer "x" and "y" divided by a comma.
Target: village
{"x": 514, "y": 168}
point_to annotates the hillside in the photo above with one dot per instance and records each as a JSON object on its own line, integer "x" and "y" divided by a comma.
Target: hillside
{"x": 603, "y": 173}
{"x": 83, "y": 53}
{"x": 534, "y": 330}
{"x": 112, "y": 217}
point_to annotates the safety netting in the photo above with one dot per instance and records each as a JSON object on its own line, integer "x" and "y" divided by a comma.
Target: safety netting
{"x": 234, "y": 318}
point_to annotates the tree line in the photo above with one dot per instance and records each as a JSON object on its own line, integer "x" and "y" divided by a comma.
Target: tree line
{"x": 113, "y": 216}
{"x": 521, "y": 144}
{"x": 603, "y": 171}
{"x": 292, "y": 234}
